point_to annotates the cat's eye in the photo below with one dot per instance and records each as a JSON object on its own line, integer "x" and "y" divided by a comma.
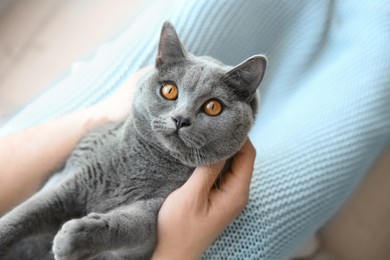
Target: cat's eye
{"x": 212, "y": 107}
{"x": 169, "y": 91}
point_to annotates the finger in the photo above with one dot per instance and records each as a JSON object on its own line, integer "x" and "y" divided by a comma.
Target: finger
{"x": 203, "y": 178}
{"x": 233, "y": 194}
{"x": 242, "y": 167}
{"x": 129, "y": 86}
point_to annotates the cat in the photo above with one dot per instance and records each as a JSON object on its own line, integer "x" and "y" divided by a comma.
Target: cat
{"x": 187, "y": 111}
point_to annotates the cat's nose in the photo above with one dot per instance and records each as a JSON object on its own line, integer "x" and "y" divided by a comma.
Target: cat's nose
{"x": 181, "y": 122}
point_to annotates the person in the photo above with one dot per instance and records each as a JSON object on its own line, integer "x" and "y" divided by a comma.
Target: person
{"x": 324, "y": 112}
{"x": 187, "y": 224}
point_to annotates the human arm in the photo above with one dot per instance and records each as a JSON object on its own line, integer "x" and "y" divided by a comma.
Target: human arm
{"x": 28, "y": 157}
{"x": 194, "y": 215}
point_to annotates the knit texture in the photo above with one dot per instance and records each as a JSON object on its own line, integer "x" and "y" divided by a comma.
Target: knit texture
{"x": 325, "y": 112}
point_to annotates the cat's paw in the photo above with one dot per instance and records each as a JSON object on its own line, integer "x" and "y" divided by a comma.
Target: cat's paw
{"x": 76, "y": 238}
{"x": 66, "y": 244}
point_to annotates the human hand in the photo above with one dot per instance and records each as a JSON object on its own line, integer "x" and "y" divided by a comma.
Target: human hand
{"x": 193, "y": 216}
{"x": 118, "y": 105}
{"x": 24, "y": 170}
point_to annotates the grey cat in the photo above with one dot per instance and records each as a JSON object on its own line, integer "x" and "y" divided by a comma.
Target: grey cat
{"x": 103, "y": 204}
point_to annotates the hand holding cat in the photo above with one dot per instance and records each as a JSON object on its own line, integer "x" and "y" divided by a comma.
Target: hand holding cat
{"x": 24, "y": 170}
{"x": 118, "y": 105}
{"x": 194, "y": 215}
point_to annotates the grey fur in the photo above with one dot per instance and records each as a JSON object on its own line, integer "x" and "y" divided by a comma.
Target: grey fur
{"x": 105, "y": 201}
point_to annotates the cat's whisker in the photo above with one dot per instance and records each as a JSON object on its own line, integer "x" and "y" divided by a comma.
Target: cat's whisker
{"x": 198, "y": 156}
{"x": 195, "y": 153}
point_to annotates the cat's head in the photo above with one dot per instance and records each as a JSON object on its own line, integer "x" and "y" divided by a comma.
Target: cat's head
{"x": 195, "y": 107}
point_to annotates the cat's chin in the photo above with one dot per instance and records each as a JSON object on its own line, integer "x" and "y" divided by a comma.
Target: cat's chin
{"x": 173, "y": 143}
{"x": 180, "y": 151}
{"x": 189, "y": 156}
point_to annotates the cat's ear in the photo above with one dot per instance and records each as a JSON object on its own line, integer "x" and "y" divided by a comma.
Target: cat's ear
{"x": 248, "y": 74}
{"x": 170, "y": 49}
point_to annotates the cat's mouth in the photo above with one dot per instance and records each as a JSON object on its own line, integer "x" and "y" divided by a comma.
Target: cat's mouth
{"x": 179, "y": 141}
{"x": 174, "y": 141}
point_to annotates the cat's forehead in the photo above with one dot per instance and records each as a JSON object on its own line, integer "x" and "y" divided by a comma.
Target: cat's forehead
{"x": 196, "y": 77}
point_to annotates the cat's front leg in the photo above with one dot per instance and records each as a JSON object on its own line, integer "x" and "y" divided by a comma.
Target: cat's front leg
{"x": 128, "y": 232}
{"x": 42, "y": 213}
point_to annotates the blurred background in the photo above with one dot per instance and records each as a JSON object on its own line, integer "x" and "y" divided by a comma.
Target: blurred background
{"x": 40, "y": 39}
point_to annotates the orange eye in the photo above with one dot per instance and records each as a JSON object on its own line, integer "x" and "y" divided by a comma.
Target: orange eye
{"x": 169, "y": 91}
{"x": 212, "y": 107}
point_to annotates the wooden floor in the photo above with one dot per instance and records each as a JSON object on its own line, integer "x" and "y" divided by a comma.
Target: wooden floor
{"x": 39, "y": 39}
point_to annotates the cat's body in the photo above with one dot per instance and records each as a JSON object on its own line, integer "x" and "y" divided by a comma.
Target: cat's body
{"x": 110, "y": 189}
